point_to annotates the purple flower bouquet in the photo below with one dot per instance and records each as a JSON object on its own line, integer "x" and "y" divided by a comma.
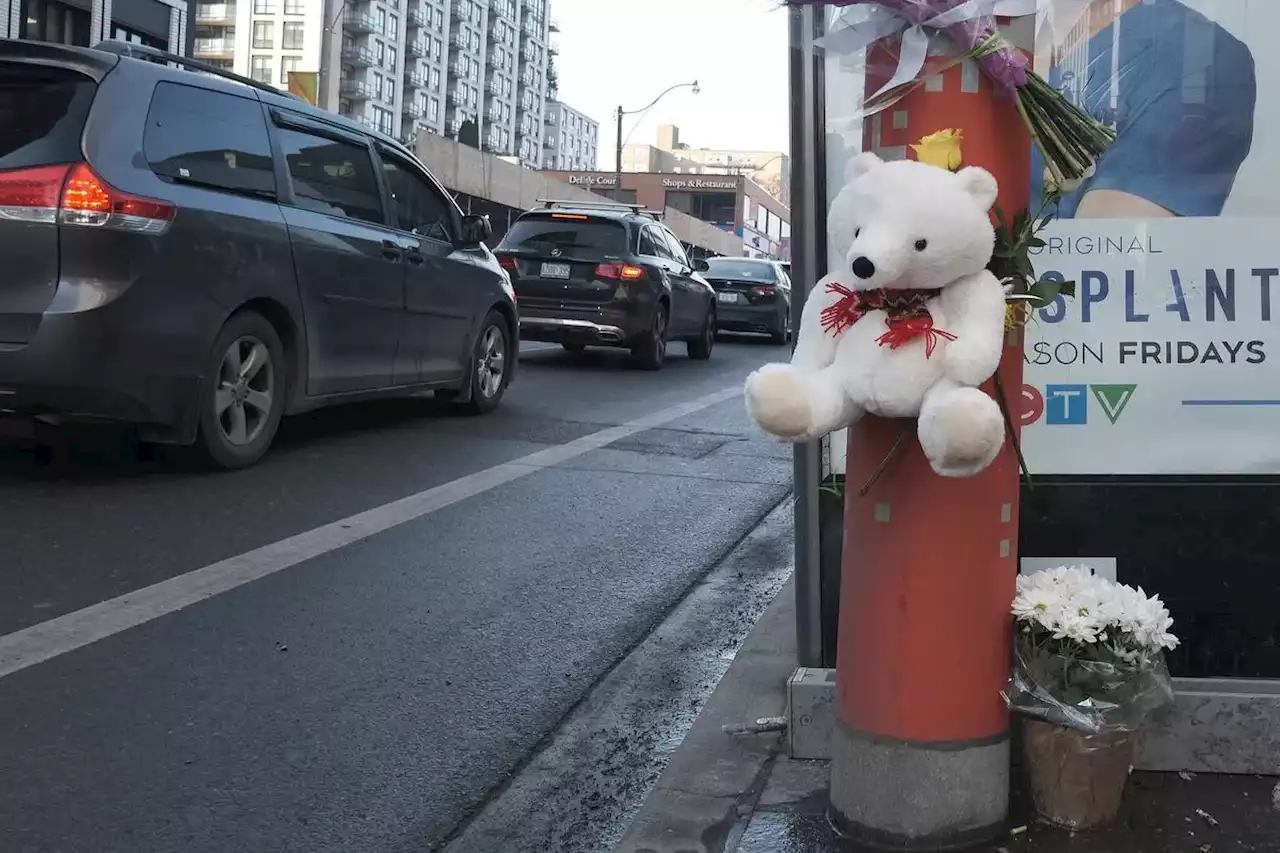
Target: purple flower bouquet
{"x": 1070, "y": 139}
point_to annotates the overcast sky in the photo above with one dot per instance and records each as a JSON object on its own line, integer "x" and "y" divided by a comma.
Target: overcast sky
{"x": 627, "y": 51}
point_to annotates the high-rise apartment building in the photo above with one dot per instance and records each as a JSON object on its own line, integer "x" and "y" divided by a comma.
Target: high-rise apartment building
{"x": 570, "y": 141}
{"x": 401, "y": 66}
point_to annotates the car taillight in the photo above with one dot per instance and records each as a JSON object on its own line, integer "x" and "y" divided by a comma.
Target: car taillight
{"x": 74, "y": 195}
{"x": 762, "y": 290}
{"x": 31, "y": 195}
{"x": 508, "y": 263}
{"x": 626, "y": 272}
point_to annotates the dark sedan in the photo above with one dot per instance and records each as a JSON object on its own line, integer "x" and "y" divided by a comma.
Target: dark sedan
{"x": 753, "y": 295}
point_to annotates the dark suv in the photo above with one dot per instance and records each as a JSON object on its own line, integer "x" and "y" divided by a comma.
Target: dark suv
{"x": 196, "y": 255}
{"x": 607, "y": 275}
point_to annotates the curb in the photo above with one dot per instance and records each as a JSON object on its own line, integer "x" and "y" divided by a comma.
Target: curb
{"x": 703, "y": 800}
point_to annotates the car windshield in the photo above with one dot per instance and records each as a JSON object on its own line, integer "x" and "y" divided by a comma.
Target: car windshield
{"x": 741, "y": 269}
{"x": 572, "y": 234}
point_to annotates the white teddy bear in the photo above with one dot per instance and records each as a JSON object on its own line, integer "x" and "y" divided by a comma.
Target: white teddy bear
{"x": 912, "y": 324}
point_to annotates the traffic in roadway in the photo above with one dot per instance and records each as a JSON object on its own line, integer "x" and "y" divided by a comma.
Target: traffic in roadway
{"x": 358, "y": 643}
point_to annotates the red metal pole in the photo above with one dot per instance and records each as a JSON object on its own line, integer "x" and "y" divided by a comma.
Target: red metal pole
{"x": 921, "y": 744}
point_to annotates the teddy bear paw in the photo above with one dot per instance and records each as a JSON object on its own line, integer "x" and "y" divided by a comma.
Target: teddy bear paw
{"x": 778, "y": 402}
{"x": 962, "y": 433}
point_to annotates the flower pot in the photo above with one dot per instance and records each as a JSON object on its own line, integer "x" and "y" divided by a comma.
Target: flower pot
{"x": 1077, "y": 779}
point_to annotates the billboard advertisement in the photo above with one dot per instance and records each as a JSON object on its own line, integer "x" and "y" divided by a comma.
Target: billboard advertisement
{"x": 1166, "y": 360}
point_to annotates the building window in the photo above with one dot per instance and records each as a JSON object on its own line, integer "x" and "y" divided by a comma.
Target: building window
{"x": 49, "y": 20}
{"x": 292, "y": 37}
{"x": 383, "y": 118}
{"x": 260, "y": 68}
{"x": 433, "y": 109}
{"x": 287, "y": 64}
{"x": 294, "y": 7}
{"x": 264, "y": 7}
{"x": 391, "y": 58}
{"x": 263, "y": 35}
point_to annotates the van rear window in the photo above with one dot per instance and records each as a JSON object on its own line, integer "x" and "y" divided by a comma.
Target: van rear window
{"x": 573, "y": 237}
{"x": 42, "y": 115}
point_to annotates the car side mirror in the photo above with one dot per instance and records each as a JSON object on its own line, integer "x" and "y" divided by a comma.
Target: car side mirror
{"x": 475, "y": 230}
{"x": 701, "y": 266}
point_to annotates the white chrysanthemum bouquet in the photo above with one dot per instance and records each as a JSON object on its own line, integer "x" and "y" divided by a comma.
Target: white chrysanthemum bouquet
{"x": 1088, "y": 653}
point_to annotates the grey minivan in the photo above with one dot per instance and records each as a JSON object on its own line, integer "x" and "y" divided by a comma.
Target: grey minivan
{"x": 194, "y": 254}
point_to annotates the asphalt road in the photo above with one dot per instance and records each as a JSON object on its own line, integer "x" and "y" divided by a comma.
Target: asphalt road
{"x": 374, "y": 693}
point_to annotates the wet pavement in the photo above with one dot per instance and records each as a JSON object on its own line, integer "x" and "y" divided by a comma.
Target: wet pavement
{"x": 378, "y": 695}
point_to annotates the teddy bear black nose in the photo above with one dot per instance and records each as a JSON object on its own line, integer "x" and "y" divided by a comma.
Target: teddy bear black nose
{"x": 863, "y": 268}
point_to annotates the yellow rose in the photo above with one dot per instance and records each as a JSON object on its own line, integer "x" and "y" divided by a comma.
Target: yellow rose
{"x": 941, "y": 149}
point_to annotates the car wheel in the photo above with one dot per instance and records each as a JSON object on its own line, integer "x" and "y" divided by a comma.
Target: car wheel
{"x": 701, "y": 346}
{"x": 651, "y": 352}
{"x": 782, "y": 334}
{"x": 243, "y": 396}
{"x": 490, "y": 367}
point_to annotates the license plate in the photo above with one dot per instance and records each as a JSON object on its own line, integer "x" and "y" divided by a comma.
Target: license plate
{"x": 727, "y": 297}
{"x": 555, "y": 270}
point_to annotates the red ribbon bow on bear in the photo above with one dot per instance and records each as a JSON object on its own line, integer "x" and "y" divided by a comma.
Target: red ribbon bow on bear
{"x": 906, "y": 315}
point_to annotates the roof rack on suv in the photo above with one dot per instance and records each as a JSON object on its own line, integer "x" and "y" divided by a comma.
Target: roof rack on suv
{"x": 590, "y": 205}
{"x": 551, "y": 203}
{"x": 152, "y": 54}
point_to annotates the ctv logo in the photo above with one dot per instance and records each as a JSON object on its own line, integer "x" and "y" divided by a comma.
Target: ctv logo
{"x": 1068, "y": 405}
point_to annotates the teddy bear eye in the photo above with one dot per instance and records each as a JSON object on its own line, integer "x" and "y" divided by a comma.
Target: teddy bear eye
{"x": 921, "y": 245}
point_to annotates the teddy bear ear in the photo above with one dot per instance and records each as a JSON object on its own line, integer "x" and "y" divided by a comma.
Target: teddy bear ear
{"x": 860, "y": 164}
{"x": 980, "y": 184}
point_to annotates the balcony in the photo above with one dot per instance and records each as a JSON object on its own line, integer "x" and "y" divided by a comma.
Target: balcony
{"x": 549, "y": 143}
{"x": 553, "y": 26}
{"x": 493, "y": 88}
{"x": 458, "y": 11}
{"x": 457, "y": 42}
{"x": 366, "y": 121}
{"x": 416, "y": 48}
{"x": 458, "y": 71}
{"x": 358, "y": 22}
{"x": 361, "y": 57}
{"x": 356, "y": 90}
{"x": 215, "y": 48}
{"x": 417, "y": 18}
{"x": 216, "y": 13}
{"x": 415, "y": 79}
{"x": 412, "y": 110}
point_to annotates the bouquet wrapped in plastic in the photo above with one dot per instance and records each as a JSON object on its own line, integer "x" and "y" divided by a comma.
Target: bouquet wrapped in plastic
{"x": 1088, "y": 653}
{"x": 1070, "y": 139}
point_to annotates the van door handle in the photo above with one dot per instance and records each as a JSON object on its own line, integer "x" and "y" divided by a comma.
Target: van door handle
{"x": 391, "y": 250}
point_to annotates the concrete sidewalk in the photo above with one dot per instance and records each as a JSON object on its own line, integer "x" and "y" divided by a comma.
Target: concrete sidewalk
{"x": 724, "y": 793}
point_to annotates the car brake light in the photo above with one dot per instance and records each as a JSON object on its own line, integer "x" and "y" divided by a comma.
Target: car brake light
{"x": 626, "y": 272}
{"x": 89, "y": 200}
{"x": 31, "y": 195}
{"x": 762, "y": 290}
{"x": 567, "y": 216}
{"x": 74, "y": 195}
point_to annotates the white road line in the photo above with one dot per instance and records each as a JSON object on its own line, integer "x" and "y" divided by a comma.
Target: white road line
{"x": 47, "y": 640}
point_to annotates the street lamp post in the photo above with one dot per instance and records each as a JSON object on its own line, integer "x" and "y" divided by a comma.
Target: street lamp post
{"x": 617, "y": 161}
